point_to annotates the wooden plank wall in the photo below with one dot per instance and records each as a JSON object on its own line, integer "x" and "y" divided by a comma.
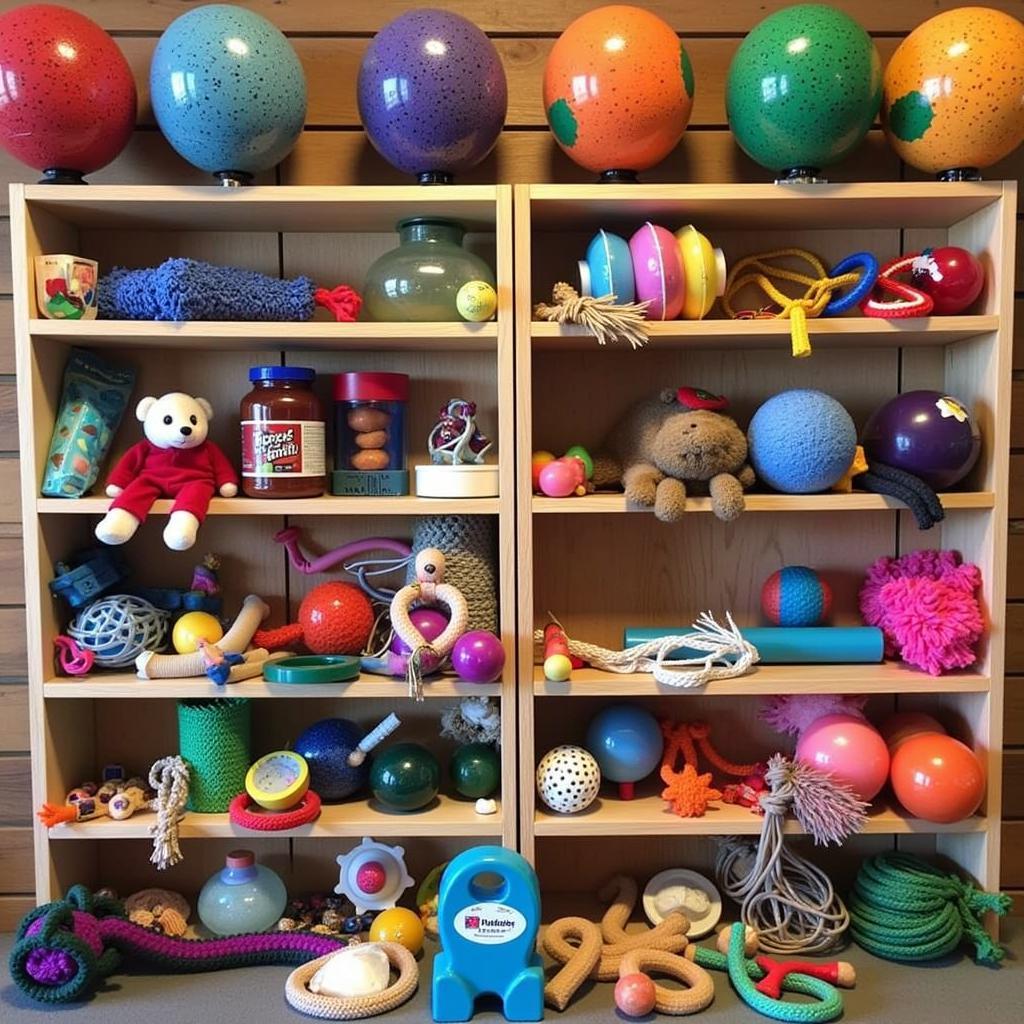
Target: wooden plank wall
{"x": 330, "y": 38}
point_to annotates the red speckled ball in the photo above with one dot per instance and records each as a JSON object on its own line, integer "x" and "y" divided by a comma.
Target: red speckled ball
{"x": 635, "y": 995}
{"x": 68, "y": 96}
{"x": 336, "y": 618}
{"x": 371, "y": 877}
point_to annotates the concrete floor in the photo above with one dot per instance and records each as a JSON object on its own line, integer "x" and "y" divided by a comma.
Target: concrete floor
{"x": 955, "y": 991}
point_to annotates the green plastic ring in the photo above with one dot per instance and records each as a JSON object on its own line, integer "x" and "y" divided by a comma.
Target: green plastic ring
{"x": 313, "y": 668}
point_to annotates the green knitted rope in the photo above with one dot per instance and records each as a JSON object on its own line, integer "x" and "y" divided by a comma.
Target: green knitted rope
{"x": 903, "y": 908}
{"x": 743, "y": 973}
{"x": 213, "y": 738}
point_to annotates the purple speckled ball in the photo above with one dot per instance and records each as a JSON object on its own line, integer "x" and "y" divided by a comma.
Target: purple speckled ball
{"x": 432, "y": 94}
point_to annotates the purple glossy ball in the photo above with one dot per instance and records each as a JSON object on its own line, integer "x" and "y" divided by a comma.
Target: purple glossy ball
{"x": 478, "y": 657}
{"x": 926, "y": 433}
{"x": 432, "y": 94}
{"x": 429, "y": 621}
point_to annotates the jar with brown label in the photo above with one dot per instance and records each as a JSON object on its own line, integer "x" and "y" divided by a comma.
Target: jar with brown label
{"x": 370, "y": 434}
{"x": 282, "y": 434}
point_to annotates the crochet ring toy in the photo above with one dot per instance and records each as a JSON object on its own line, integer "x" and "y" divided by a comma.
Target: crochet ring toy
{"x": 65, "y": 949}
{"x": 908, "y": 301}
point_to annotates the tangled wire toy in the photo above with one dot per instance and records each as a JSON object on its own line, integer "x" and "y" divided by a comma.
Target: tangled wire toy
{"x": 787, "y": 899}
{"x": 65, "y": 949}
{"x": 857, "y": 272}
{"x": 903, "y": 908}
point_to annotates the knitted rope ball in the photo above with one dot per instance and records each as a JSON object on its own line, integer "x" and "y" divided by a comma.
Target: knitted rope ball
{"x": 469, "y": 544}
{"x": 213, "y": 738}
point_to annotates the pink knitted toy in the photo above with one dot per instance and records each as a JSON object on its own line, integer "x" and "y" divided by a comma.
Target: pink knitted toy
{"x": 927, "y": 607}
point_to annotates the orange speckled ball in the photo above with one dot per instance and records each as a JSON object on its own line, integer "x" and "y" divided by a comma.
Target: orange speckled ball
{"x": 618, "y": 89}
{"x": 953, "y": 92}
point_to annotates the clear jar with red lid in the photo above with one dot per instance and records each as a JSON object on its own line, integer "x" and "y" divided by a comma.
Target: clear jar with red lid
{"x": 369, "y": 416}
{"x": 282, "y": 434}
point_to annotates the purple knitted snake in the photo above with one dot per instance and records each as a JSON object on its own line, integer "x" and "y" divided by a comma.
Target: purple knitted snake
{"x": 65, "y": 949}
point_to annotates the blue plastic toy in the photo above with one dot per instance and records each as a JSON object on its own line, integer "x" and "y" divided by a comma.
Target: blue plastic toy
{"x": 488, "y": 916}
{"x": 87, "y": 575}
{"x": 627, "y": 742}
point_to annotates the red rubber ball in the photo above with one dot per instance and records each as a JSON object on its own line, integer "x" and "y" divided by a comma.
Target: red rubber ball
{"x": 635, "y": 995}
{"x": 68, "y": 95}
{"x": 952, "y": 276}
{"x": 371, "y": 877}
{"x": 336, "y": 618}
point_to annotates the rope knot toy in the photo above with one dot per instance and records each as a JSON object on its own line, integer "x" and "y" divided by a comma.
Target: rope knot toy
{"x": 605, "y": 319}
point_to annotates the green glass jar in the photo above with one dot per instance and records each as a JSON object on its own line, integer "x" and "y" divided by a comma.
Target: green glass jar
{"x": 419, "y": 281}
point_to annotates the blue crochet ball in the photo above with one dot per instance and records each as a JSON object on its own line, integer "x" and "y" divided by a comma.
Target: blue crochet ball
{"x": 228, "y": 90}
{"x": 801, "y": 441}
{"x": 326, "y": 746}
{"x": 796, "y": 596}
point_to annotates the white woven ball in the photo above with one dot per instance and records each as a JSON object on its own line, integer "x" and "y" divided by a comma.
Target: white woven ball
{"x": 568, "y": 779}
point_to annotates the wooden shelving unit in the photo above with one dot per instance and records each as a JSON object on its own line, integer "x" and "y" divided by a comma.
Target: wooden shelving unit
{"x": 599, "y": 572}
{"x": 333, "y": 235}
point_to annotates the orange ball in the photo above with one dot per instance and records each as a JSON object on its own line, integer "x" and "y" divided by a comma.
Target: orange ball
{"x": 336, "y": 618}
{"x": 953, "y": 92}
{"x": 937, "y": 778}
{"x": 398, "y": 925}
{"x": 537, "y": 463}
{"x": 618, "y": 89}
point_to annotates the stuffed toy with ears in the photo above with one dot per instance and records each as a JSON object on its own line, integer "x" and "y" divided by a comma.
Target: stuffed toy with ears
{"x": 175, "y": 460}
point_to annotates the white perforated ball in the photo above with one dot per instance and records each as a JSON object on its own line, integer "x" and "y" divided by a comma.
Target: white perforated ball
{"x": 568, "y": 779}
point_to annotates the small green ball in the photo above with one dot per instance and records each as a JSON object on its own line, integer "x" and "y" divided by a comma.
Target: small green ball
{"x": 581, "y": 453}
{"x": 475, "y": 770}
{"x": 405, "y": 777}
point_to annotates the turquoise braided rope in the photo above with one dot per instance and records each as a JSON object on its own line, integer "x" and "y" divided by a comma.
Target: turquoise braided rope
{"x": 903, "y": 908}
{"x": 743, "y": 973}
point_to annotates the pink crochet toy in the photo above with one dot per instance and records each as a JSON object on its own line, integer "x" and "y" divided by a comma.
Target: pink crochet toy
{"x": 927, "y": 607}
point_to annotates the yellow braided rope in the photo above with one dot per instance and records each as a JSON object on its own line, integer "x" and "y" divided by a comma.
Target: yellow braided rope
{"x": 757, "y": 270}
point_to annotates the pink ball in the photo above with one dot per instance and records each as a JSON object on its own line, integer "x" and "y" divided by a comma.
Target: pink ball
{"x": 849, "y": 748}
{"x": 560, "y": 478}
{"x": 370, "y": 877}
{"x": 635, "y": 995}
{"x": 478, "y": 657}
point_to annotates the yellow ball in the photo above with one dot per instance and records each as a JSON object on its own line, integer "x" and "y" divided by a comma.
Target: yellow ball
{"x": 193, "y": 627}
{"x": 398, "y": 925}
{"x": 476, "y": 301}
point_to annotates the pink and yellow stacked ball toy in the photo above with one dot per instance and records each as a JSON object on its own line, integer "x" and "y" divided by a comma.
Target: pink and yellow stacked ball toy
{"x": 796, "y": 596}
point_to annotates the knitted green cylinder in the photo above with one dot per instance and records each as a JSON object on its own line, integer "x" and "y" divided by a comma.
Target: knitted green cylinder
{"x": 213, "y": 737}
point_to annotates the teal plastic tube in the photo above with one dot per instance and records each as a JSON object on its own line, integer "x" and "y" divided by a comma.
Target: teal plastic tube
{"x": 787, "y": 645}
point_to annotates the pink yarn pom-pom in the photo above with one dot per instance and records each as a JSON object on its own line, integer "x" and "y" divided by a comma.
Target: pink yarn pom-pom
{"x": 793, "y": 714}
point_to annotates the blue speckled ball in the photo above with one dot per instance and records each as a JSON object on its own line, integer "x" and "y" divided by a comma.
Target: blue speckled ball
{"x": 801, "y": 441}
{"x": 228, "y": 90}
{"x": 326, "y": 745}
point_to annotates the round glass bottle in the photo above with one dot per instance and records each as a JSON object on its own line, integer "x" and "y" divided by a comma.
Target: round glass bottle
{"x": 242, "y": 897}
{"x": 419, "y": 281}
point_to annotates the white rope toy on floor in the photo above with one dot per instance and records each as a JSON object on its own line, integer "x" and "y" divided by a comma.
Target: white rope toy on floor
{"x": 170, "y": 778}
{"x": 721, "y": 644}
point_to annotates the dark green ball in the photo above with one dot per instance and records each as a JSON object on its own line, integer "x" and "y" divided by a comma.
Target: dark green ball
{"x": 405, "y": 777}
{"x": 804, "y": 88}
{"x": 475, "y": 770}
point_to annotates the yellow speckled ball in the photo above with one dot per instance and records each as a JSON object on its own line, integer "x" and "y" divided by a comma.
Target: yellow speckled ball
{"x": 193, "y": 627}
{"x": 398, "y": 925}
{"x": 476, "y": 301}
{"x": 953, "y": 92}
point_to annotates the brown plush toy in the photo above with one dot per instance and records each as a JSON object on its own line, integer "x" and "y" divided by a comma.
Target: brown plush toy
{"x": 675, "y": 444}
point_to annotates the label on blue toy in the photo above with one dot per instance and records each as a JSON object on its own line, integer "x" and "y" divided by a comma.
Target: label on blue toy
{"x": 489, "y": 924}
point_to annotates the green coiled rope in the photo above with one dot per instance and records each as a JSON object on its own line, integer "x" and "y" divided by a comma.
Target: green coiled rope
{"x": 903, "y": 908}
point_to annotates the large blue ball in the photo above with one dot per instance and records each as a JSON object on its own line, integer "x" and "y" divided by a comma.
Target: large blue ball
{"x": 228, "y": 90}
{"x": 326, "y": 745}
{"x": 626, "y": 741}
{"x": 801, "y": 441}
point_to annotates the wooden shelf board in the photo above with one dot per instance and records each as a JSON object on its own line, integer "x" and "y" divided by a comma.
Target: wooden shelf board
{"x": 408, "y": 505}
{"x": 888, "y": 677}
{"x": 264, "y": 208}
{"x": 445, "y": 817}
{"x": 250, "y": 337}
{"x": 126, "y": 686}
{"x": 649, "y": 815}
{"x": 747, "y": 334}
{"x": 858, "y": 501}
{"x": 758, "y": 207}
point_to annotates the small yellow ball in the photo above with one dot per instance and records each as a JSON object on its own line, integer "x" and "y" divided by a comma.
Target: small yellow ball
{"x": 193, "y": 627}
{"x": 398, "y": 925}
{"x": 476, "y": 301}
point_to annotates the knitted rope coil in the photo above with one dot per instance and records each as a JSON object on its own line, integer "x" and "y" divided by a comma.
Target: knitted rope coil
{"x": 213, "y": 738}
{"x": 312, "y": 1004}
{"x": 696, "y": 996}
{"x": 903, "y": 908}
{"x": 169, "y": 777}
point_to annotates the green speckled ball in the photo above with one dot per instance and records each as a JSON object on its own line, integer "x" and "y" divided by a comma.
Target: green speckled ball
{"x": 804, "y": 88}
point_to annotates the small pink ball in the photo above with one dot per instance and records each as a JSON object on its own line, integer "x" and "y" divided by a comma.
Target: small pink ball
{"x": 849, "y": 748}
{"x": 635, "y": 995}
{"x": 371, "y": 877}
{"x": 558, "y": 479}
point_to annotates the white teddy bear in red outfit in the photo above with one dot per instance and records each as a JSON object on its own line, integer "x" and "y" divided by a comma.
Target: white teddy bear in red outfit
{"x": 175, "y": 460}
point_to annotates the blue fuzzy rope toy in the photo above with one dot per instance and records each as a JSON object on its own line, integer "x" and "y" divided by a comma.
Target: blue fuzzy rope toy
{"x": 186, "y": 289}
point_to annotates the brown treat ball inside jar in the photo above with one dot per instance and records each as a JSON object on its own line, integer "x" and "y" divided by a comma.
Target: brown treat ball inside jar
{"x": 370, "y": 421}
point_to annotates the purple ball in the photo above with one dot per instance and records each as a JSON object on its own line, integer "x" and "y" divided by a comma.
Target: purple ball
{"x": 926, "y": 433}
{"x": 429, "y": 621}
{"x": 432, "y": 94}
{"x": 478, "y": 657}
